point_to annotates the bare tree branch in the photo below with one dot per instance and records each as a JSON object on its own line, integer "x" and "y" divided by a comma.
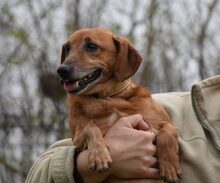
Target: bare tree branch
{"x": 146, "y": 77}
{"x": 202, "y": 37}
{"x": 9, "y": 165}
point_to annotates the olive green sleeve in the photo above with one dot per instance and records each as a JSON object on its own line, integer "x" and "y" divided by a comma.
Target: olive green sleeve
{"x": 55, "y": 165}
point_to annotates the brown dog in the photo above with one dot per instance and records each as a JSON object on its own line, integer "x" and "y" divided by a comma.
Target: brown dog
{"x": 95, "y": 70}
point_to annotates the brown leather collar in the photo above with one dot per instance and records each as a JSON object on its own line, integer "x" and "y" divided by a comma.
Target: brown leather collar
{"x": 119, "y": 87}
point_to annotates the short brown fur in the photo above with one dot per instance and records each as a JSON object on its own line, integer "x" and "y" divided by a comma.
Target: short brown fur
{"x": 93, "y": 111}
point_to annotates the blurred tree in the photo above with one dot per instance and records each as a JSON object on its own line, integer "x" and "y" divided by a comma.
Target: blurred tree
{"x": 202, "y": 36}
{"x": 150, "y": 33}
{"x": 178, "y": 39}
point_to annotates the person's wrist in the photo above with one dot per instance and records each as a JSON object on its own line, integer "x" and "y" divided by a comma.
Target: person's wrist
{"x": 88, "y": 175}
{"x": 76, "y": 175}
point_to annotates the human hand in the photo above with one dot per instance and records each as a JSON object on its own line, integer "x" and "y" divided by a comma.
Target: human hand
{"x": 131, "y": 148}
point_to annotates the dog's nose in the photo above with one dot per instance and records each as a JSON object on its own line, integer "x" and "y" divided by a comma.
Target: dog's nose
{"x": 64, "y": 71}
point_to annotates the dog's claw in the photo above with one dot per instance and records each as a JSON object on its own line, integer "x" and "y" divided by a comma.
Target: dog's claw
{"x": 109, "y": 163}
{"x": 101, "y": 168}
{"x": 92, "y": 167}
{"x": 179, "y": 175}
{"x": 169, "y": 175}
{"x": 165, "y": 179}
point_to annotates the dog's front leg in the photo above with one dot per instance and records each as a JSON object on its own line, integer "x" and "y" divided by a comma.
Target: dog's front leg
{"x": 99, "y": 156}
{"x": 168, "y": 153}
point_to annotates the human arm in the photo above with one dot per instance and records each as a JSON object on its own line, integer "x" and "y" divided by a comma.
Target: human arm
{"x": 56, "y": 165}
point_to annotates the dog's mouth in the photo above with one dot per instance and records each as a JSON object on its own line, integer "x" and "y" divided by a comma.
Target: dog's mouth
{"x": 76, "y": 86}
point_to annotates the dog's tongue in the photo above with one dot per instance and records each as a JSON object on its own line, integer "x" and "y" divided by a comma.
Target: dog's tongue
{"x": 70, "y": 86}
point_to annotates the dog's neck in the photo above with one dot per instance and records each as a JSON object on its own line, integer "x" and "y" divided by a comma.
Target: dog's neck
{"x": 109, "y": 89}
{"x": 119, "y": 87}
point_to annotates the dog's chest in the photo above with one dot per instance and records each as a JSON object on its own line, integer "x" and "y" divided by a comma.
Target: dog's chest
{"x": 105, "y": 123}
{"x": 104, "y": 113}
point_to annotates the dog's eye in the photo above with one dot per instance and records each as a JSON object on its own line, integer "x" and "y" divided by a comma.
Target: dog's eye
{"x": 66, "y": 49}
{"x": 91, "y": 47}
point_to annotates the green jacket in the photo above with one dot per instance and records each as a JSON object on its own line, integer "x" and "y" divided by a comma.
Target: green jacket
{"x": 197, "y": 118}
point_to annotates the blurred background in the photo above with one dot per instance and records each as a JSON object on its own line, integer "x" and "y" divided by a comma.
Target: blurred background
{"x": 180, "y": 41}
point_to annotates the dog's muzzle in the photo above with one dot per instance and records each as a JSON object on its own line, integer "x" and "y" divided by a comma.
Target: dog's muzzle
{"x": 76, "y": 84}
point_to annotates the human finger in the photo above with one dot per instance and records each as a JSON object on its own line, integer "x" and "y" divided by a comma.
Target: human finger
{"x": 148, "y": 136}
{"x": 136, "y": 121}
{"x": 150, "y": 162}
{"x": 152, "y": 173}
{"x": 147, "y": 172}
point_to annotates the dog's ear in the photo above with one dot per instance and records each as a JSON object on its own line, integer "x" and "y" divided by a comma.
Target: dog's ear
{"x": 64, "y": 51}
{"x": 128, "y": 59}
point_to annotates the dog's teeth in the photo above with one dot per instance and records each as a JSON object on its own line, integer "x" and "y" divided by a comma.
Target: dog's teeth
{"x": 86, "y": 77}
{"x": 77, "y": 83}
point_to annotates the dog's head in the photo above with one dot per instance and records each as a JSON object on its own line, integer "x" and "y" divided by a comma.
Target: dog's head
{"x": 93, "y": 56}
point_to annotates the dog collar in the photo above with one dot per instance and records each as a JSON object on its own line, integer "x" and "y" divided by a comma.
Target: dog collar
{"x": 115, "y": 89}
{"x": 119, "y": 87}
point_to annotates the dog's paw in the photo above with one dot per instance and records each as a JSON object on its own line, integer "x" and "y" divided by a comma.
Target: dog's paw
{"x": 170, "y": 175}
{"x": 170, "y": 171}
{"x": 99, "y": 159}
